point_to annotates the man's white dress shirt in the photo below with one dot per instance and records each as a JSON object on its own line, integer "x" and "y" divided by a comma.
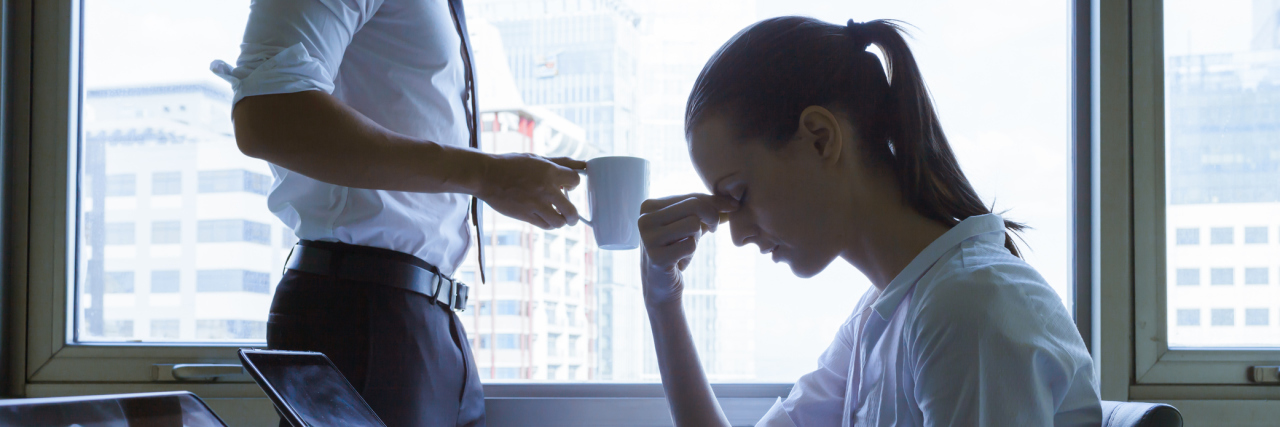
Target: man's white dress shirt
{"x": 966, "y": 335}
{"x": 399, "y": 63}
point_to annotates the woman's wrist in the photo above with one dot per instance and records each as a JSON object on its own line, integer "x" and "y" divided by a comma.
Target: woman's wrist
{"x": 664, "y": 306}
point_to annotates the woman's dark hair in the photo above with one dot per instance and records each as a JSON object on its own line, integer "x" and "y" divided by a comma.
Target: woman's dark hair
{"x": 767, "y": 74}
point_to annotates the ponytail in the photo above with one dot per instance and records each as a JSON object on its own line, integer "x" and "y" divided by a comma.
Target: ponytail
{"x": 768, "y": 73}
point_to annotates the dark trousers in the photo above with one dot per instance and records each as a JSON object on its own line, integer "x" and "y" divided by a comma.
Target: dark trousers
{"x": 407, "y": 356}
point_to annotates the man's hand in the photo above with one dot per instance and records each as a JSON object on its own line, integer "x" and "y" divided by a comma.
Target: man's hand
{"x": 531, "y": 188}
{"x": 669, "y": 229}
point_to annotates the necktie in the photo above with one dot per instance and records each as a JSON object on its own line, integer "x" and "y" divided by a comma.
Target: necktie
{"x": 469, "y": 99}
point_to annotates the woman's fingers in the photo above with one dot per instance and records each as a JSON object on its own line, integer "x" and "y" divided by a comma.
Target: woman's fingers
{"x": 670, "y": 255}
{"x": 705, "y": 207}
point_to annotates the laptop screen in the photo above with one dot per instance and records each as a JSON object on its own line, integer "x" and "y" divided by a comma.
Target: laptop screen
{"x": 310, "y": 386}
{"x": 169, "y": 409}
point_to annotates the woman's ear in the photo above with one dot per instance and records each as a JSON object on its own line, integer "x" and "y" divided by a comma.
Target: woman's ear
{"x": 820, "y": 132}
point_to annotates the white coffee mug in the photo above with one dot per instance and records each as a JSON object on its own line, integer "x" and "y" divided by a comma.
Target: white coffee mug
{"x": 616, "y": 186}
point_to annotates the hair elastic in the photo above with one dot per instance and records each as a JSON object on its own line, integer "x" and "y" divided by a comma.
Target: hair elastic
{"x": 857, "y": 31}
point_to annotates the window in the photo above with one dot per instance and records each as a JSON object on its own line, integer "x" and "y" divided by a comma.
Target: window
{"x": 1188, "y": 317}
{"x": 1255, "y": 235}
{"x": 165, "y": 328}
{"x": 553, "y": 345}
{"x": 128, "y": 118}
{"x": 551, "y": 371}
{"x": 221, "y": 329}
{"x": 166, "y": 183}
{"x": 166, "y": 232}
{"x": 1222, "y": 276}
{"x": 507, "y": 238}
{"x": 119, "y": 233}
{"x": 510, "y": 308}
{"x": 119, "y": 282}
{"x": 1255, "y": 276}
{"x": 233, "y": 230}
{"x": 571, "y": 314}
{"x": 1188, "y": 277}
{"x": 573, "y": 346}
{"x": 546, "y": 279}
{"x": 166, "y": 281}
{"x": 232, "y": 281}
{"x": 573, "y": 372}
{"x": 507, "y": 341}
{"x": 1257, "y": 316}
{"x": 1188, "y": 236}
{"x": 115, "y": 328}
{"x": 508, "y": 373}
{"x": 485, "y": 308}
{"x": 507, "y": 274}
{"x": 551, "y": 313}
{"x": 121, "y": 185}
{"x": 1222, "y": 317}
{"x": 232, "y": 181}
{"x": 1221, "y": 235}
{"x": 484, "y": 342}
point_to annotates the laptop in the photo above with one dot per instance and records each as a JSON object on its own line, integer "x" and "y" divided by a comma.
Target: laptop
{"x": 167, "y": 409}
{"x": 307, "y": 389}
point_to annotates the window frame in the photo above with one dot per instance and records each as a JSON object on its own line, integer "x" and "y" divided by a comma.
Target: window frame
{"x": 42, "y": 100}
{"x": 1207, "y": 386}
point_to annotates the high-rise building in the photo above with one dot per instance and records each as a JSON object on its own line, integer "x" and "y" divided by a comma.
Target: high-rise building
{"x": 1223, "y": 173}
{"x": 676, "y": 40}
{"x": 534, "y": 317}
{"x": 577, "y": 59}
{"x": 176, "y": 241}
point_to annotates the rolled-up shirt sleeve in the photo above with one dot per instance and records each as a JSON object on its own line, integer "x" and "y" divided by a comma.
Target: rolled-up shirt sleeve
{"x": 294, "y": 45}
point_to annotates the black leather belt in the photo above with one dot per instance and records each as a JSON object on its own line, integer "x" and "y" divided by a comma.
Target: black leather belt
{"x": 365, "y": 268}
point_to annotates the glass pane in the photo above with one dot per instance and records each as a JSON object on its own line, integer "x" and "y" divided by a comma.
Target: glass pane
{"x": 1222, "y": 127}
{"x": 618, "y": 74}
{"x": 175, "y": 240}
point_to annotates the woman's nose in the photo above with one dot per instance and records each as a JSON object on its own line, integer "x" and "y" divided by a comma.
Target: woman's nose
{"x": 741, "y": 228}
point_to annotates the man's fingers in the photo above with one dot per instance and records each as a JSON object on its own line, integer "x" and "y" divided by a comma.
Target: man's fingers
{"x": 567, "y": 179}
{"x": 569, "y": 163}
{"x": 566, "y": 208}
{"x": 549, "y": 214}
{"x": 538, "y": 220}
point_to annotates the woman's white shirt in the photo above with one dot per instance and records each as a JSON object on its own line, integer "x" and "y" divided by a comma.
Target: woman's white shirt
{"x": 967, "y": 334}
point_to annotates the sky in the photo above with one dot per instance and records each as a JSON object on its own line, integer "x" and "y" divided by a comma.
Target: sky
{"x": 997, "y": 70}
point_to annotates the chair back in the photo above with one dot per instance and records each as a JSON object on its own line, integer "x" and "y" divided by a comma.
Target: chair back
{"x": 1139, "y": 414}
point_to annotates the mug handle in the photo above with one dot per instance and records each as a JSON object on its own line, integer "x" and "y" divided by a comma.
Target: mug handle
{"x": 582, "y": 185}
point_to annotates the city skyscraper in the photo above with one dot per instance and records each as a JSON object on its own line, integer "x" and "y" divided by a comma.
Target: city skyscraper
{"x": 176, "y": 242}
{"x": 1223, "y": 150}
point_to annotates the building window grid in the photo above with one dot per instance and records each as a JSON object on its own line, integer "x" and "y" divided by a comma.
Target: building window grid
{"x": 166, "y": 183}
{"x": 1221, "y": 235}
{"x": 1257, "y": 317}
{"x": 1188, "y": 317}
{"x": 1222, "y": 276}
{"x": 1255, "y": 235}
{"x": 122, "y": 185}
{"x": 1187, "y": 277}
{"x": 1256, "y": 276}
{"x": 1222, "y": 317}
{"x": 166, "y": 232}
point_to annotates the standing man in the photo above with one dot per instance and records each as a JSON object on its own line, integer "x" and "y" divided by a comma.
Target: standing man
{"x": 366, "y": 111}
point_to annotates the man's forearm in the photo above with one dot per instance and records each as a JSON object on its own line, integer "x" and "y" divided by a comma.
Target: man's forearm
{"x": 692, "y": 401}
{"x": 315, "y": 134}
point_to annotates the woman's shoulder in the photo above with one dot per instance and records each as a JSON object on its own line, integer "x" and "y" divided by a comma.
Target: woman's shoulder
{"x": 985, "y": 283}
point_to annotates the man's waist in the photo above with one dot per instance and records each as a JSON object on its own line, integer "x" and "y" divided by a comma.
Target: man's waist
{"x": 377, "y": 266}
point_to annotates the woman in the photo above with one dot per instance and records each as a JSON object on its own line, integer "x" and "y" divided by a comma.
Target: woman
{"x": 814, "y": 152}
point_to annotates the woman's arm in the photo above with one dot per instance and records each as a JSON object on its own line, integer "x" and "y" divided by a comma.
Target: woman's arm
{"x": 670, "y": 229}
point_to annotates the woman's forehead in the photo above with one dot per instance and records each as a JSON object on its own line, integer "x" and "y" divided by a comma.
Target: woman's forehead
{"x": 714, "y": 150}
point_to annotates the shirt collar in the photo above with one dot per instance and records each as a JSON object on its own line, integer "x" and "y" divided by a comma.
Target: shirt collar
{"x": 897, "y": 289}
